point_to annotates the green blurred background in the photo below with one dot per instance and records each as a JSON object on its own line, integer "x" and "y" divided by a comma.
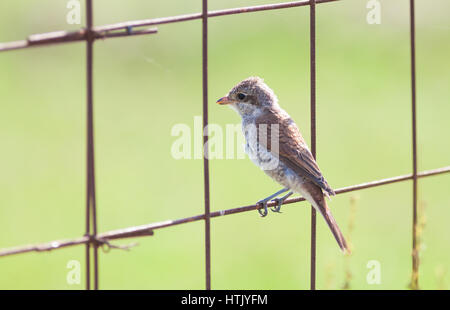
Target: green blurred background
{"x": 146, "y": 84}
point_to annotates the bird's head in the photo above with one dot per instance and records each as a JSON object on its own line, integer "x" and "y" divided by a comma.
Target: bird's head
{"x": 250, "y": 97}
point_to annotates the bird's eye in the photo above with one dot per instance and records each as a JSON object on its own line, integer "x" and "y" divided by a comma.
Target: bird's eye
{"x": 241, "y": 96}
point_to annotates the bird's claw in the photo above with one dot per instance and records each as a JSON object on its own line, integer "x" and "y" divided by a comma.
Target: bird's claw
{"x": 263, "y": 209}
{"x": 262, "y": 204}
{"x": 277, "y": 208}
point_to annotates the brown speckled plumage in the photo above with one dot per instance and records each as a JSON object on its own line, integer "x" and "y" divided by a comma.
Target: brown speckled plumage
{"x": 296, "y": 168}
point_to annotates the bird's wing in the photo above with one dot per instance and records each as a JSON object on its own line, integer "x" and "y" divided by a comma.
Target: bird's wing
{"x": 292, "y": 148}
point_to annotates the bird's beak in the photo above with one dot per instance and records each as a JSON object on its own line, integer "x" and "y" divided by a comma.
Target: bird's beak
{"x": 225, "y": 100}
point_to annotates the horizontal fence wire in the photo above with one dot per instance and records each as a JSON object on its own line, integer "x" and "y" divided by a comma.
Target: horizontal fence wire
{"x": 149, "y": 229}
{"x": 182, "y": 18}
{"x": 123, "y": 29}
{"x": 68, "y": 37}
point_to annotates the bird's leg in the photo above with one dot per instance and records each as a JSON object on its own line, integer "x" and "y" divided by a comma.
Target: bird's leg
{"x": 280, "y": 202}
{"x": 264, "y": 202}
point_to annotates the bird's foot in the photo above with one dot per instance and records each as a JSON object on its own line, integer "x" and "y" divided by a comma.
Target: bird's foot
{"x": 277, "y": 208}
{"x": 279, "y": 202}
{"x": 263, "y": 209}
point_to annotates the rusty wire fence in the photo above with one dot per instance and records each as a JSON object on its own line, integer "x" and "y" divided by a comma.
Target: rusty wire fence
{"x": 94, "y": 240}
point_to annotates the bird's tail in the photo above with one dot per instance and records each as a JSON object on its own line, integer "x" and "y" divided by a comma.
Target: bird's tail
{"x": 315, "y": 196}
{"x": 326, "y": 213}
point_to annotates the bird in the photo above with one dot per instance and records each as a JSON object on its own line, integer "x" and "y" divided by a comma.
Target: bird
{"x": 274, "y": 143}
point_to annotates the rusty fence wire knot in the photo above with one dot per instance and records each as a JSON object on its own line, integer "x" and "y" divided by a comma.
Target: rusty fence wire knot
{"x": 106, "y": 246}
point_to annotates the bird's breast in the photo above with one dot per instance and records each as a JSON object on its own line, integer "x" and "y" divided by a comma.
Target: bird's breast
{"x": 257, "y": 151}
{"x": 267, "y": 161}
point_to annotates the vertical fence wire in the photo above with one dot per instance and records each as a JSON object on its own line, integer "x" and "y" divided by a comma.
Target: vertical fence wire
{"x": 415, "y": 254}
{"x": 312, "y": 39}
{"x": 205, "y": 140}
{"x": 91, "y": 214}
{"x": 88, "y": 187}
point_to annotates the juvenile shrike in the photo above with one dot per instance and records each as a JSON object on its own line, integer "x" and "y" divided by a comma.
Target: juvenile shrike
{"x": 273, "y": 137}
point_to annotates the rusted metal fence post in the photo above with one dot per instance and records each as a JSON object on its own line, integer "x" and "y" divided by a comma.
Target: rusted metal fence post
{"x": 91, "y": 212}
{"x": 415, "y": 250}
{"x": 312, "y": 52}
{"x": 205, "y": 143}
